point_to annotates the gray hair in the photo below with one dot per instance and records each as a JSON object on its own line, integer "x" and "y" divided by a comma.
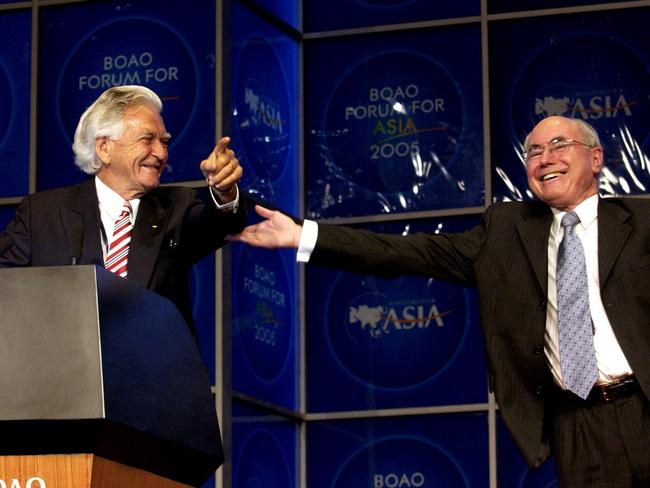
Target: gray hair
{"x": 105, "y": 118}
{"x": 589, "y": 134}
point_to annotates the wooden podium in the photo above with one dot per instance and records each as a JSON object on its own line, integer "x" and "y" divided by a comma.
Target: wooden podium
{"x": 102, "y": 385}
{"x": 77, "y": 471}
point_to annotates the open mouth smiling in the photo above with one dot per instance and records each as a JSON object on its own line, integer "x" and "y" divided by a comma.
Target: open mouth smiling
{"x": 155, "y": 166}
{"x": 552, "y": 176}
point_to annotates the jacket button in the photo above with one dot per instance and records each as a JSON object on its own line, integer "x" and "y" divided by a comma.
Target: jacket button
{"x": 539, "y": 391}
{"x": 542, "y": 304}
{"x": 539, "y": 349}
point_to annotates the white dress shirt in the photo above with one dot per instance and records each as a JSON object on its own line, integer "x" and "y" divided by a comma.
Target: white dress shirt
{"x": 110, "y": 208}
{"x": 609, "y": 356}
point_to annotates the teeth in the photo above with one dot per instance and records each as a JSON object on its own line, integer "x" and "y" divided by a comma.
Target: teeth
{"x": 550, "y": 176}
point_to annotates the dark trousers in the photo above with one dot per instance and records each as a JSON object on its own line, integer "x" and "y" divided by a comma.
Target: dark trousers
{"x": 602, "y": 444}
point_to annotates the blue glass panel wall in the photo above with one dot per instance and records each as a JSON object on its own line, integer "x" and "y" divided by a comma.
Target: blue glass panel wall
{"x": 264, "y": 451}
{"x": 375, "y": 343}
{"x": 265, "y": 137}
{"x": 265, "y": 109}
{"x": 340, "y": 14}
{"x": 286, "y": 10}
{"x": 202, "y": 294}
{"x": 441, "y": 450}
{"x": 264, "y": 328}
{"x": 530, "y": 79}
{"x": 15, "y": 59}
{"x": 85, "y": 49}
{"x": 395, "y": 125}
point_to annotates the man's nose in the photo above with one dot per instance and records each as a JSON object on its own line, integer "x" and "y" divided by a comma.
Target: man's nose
{"x": 160, "y": 150}
{"x": 546, "y": 156}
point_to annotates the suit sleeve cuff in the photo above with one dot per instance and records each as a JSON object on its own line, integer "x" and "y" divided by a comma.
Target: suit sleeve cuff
{"x": 308, "y": 238}
{"x": 234, "y": 204}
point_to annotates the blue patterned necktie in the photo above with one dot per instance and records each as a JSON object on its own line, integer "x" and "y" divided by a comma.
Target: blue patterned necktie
{"x": 577, "y": 354}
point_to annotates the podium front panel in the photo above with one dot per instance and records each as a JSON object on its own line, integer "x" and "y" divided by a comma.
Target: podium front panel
{"x": 50, "y": 363}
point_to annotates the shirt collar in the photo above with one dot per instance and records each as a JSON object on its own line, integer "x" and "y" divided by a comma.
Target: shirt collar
{"x": 586, "y": 210}
{"x": 111, "y": 202}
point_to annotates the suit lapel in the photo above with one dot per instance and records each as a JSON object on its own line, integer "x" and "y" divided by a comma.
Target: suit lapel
{"x": 81, "y": 210}
{"x": 146, "y": 239}
{"x": 534, "y": 228}
{"x": 613, "y": 232}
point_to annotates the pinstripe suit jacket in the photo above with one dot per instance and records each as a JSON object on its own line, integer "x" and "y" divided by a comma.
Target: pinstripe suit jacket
{"x": 173, "y": 230}
{"x": 505, "y": 258}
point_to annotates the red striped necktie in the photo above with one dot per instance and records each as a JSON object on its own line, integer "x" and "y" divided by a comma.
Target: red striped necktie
{"x": 118, "y": 251}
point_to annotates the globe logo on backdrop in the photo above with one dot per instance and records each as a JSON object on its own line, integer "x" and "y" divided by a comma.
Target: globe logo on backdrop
{"x": 262, "y": 463}
{"x": 400, "y": 462}
{"x": 263, "y": 311}
{"x": 262, "y": 111}
{"x": 599, "y": 80}
{"x": 132, "y": 51}
{"x": 395, "y": 334}
{"x": 393, "y": 123}
{"x": 6, "y": 103}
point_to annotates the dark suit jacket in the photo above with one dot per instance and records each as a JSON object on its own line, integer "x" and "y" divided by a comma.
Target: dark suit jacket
{"x": 505, "y": 258}
{"x": 172, "y": 231}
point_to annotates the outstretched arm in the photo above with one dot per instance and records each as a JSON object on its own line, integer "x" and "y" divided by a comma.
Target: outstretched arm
{"x": 275, "y": 231}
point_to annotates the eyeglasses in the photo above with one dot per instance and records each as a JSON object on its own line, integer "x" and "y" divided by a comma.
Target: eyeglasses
{"x": 555, "y": 146}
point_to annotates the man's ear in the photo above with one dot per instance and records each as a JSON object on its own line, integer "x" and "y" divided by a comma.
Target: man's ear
{"x": 103, "y": 149}
{"x": 597, "y": 159}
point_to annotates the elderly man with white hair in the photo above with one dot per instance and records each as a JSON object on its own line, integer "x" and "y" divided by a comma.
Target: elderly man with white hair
{"x": 122, "y": 218}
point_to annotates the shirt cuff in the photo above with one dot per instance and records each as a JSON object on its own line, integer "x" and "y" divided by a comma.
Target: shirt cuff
{"x": 307, "y": 243}
{"x": 226, "y": 206}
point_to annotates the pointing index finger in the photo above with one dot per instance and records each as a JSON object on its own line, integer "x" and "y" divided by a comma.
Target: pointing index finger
{"x": 222, "y": 145}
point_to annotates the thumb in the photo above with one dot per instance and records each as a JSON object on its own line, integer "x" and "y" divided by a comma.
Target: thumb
{"x": 263, "y": 212}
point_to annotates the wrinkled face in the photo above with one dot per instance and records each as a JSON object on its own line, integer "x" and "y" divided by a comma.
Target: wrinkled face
{"x": 566, "y": 177}
{"x": 134, "y": 162}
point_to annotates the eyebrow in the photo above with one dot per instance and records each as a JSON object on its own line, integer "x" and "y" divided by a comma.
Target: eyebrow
{"x": 165, "y": 137}
{"x": 556, "y": 138}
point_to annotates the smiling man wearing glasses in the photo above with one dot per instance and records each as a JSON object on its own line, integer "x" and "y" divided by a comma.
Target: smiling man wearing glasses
{"x": 564, "y": 303}
{"x": 563, "y": 160}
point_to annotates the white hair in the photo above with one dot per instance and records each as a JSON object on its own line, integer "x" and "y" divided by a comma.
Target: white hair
{"x": 105, "y": 118}
{"x": 589, "y": 134}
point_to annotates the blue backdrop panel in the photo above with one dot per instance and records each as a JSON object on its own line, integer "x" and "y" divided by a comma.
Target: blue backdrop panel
{"x": 15, "y": 59}
{"x": 264, "y": 117}
{"x": 423, "y": 451}
{"x": 395, "y": 124}
{"x": 341, "y": 14}
{"x": 375, "y": 343}
{"x": 85, "y": 49}
{"x": 512, "y": 471}
{"x": 499, "y": 6}
{"x": 285, "y": 10}
{"x": 607, "y": 85}
{"x": 6, "y": 215}
{"x": 264, "y": 449}
{"x": 265, "y": 318}
{"x": 202, "y": 293}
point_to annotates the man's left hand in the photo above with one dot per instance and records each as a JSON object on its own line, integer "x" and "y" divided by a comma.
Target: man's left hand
{"x": 222, "y": 170}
